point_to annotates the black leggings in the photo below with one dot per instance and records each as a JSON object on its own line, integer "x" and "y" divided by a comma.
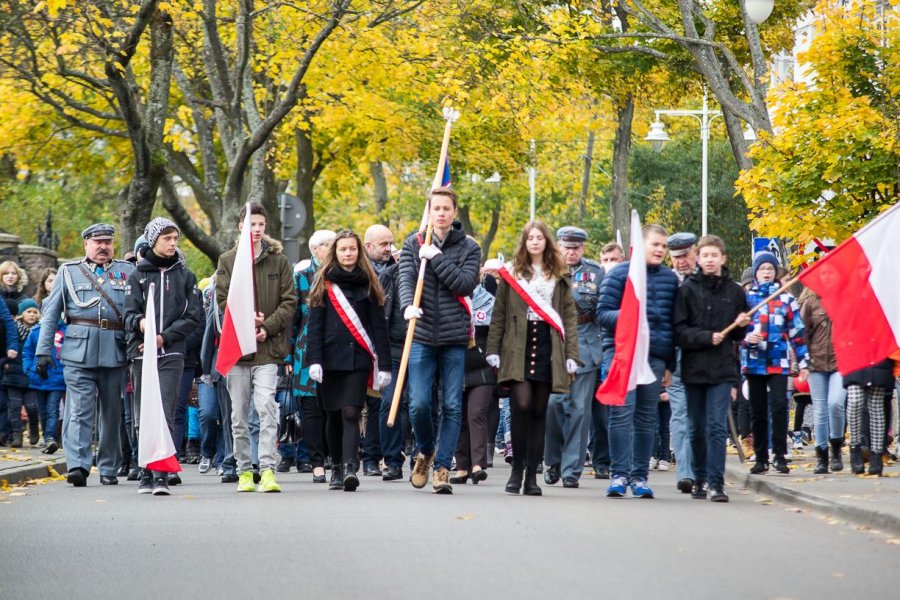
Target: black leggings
{"x": 342, "y": 428}
{"x": 314, "y": 429}
{"x": 762, "y": 389}
{"x": 528, "y": 405}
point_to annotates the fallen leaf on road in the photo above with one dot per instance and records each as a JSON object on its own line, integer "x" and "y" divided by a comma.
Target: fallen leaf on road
{"x": 4, "y": 485}
{"x": 98, "y": 501}
{"x": 838, "y": 575}
{"x": 188, "y": 497}
{"x": 54, "y": 475}
{"x": 803, "y": 479}
{"x": 18, "y": 494}
{"x": 466, "y": 517}
{"x": 895, "y": 541}
{"x": 796, "y": 510}
{"x": 834, "y": 521}
{"x": 765, "y": 501}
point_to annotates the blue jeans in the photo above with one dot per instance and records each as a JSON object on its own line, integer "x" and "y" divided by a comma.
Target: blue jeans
{"x": 48, "y": 407}
{"x": 708, "y": 407}
{"x": 828, "y": 396}
{"x": 503, "y": 427}
{"x": 392, "y": 437}
{"x": 424, "y": 362}
{"x": 679, "y": 426}
{"x": 632, "y": 427}
{"x": 210, "y": 427}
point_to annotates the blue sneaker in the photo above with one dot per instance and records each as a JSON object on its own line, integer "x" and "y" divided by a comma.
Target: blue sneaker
{"x": 640, "y": 489}
{"x": 617, "y": 487}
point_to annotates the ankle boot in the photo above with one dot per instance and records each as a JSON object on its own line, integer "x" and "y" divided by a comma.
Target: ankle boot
{"x": 351, "y": 481}
{"x": 875, "y": 463}
{"x": 531, "y": 485}
{"x": 16, "y": 441}
{"x": 821, "y": 461}
{"x": 856, "y": 460}
{"x": 837, "y": 463}
{"x": 337, "y": 478}
{"x": 514, "y": 485}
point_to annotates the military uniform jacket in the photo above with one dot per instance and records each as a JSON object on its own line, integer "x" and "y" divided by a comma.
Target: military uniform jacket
{"x": 75, "y": 296}
{"x": 586, "y": 277}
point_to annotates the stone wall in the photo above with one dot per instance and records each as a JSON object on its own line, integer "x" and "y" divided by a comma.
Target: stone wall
{"x": 33, "y": 259}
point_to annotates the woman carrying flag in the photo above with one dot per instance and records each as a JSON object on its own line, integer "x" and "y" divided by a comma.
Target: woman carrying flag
{"x": 347, "y": 347}
{"x": 533, "y": 340}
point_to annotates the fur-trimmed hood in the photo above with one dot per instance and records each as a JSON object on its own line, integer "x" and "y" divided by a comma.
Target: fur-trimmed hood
{"x": 270, "y": 246}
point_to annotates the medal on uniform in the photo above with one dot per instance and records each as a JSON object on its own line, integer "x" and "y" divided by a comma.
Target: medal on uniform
{"x": 100, "y": 280}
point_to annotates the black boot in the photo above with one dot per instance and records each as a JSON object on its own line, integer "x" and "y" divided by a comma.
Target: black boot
{"x": 759, "y": 467}
{"x": 856, "y": 460}
{"x": 531, "y": 486}
{"x": 337, "y": 478}
{"x": 514, "y": 484}
{"x": 875, "y": 463}
{"x": 16, "y": 441}
{"x": 821, "y": 461}
{"x": 837, "y": 464}
{"x": 351, "y": 481}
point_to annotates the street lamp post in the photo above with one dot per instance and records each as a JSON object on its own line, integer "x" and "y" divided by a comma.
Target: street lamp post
{"x": 658, "y": 137}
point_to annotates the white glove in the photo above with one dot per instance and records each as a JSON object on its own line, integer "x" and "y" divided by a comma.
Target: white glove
{"x": 429, "y": 252}
{"x": 571, "y": 366}
{"x": 315, "y": 373}
{"x": 412, "y": 312}
{"x": 493, "y": 360}
{"x": 383, "y": 378}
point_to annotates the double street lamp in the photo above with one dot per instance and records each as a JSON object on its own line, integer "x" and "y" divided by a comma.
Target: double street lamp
{"x": 658, "y": 137}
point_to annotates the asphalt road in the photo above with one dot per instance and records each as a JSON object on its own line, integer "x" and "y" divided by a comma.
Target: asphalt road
{"x": 388, "y": 540}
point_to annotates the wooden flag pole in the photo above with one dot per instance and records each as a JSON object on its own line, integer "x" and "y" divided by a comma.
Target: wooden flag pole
{"x": 774, "y": 295}
{"x": 450, "y": 116}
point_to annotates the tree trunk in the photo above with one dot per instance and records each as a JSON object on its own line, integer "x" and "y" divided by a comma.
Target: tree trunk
{"x": 618, "y": 210}
{"x": 739, "y": 145}
{"x": 586, "y": 178}
{"x": 376, "y": 168}
{"x": 305, "y": 181}
{"x": 488, "y": 238}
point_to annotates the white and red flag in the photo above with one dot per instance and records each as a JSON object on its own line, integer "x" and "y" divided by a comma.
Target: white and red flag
{"x": 239, "y": 325}
{"x": 859, "y": 285}
{"x": 630, "y": 365}
{"x": 156, "y": 451}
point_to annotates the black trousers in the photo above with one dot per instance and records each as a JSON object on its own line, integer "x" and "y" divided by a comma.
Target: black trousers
{"x": 762, "y": 389}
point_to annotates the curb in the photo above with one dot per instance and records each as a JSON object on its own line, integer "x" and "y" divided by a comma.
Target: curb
{"x": 861, "y": 516}
{"x": 33, "y": 471}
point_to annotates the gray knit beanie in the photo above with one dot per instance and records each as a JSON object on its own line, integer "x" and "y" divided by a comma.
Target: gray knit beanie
{"x": 156, "y": 227}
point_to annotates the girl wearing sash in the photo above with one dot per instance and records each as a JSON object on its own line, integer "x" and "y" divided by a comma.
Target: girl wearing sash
{"x": 533, "y": 340}
{"x": 348, "y": 348}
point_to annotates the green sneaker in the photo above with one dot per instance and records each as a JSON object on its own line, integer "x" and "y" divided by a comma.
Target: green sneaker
{"x": 245, "y": 482}
{"x": 268, "y": 483}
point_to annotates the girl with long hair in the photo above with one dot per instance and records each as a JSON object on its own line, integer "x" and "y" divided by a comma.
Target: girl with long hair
{"x": 348, "y": 348}
{"x": 45, "y": 285}
{"x": 533, "y": 340}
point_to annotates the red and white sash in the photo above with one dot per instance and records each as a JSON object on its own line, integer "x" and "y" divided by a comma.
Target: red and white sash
{"x": 534, "y": 301}
{"x": 351, "y": 320}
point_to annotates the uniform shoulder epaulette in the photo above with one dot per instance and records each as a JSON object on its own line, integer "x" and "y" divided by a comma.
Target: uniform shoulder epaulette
{"x": 72, "y": 263}
{"x": 592, "y": 263}
{"x": 122, "y": 262}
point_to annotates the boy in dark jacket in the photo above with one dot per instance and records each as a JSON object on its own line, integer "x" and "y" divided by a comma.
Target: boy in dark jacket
{"x": 441, "y": 336}
{"x": 708, "y": 302}
{"x": 48, "y": 392}
{"x": 179, "y": 313}
{"x": 15, "y": 380}
{"x": 632, "y": 427}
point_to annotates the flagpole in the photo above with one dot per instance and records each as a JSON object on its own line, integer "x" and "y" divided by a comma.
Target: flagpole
{"x": 774, "y": 295}
{"x": 450, "y": 116}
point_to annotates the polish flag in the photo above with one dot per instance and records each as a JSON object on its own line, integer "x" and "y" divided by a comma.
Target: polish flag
{"x": 239, "y": 326}
{"x": 630, "y": 366}
{"x": 859, "y": 285}
{"x": 156, "y": 451}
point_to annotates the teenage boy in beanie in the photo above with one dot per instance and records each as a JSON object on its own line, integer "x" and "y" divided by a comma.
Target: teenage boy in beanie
{"x": 766, "y": 360}
{"x": 179, "y": 313}
{"x": 707, "y": 302}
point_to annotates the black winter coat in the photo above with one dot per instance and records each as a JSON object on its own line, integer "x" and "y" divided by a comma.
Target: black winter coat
{"x": 448, "y": 276}
{"x": 878, "y": 375}
{"x": 182, "y": 309}
{"x": 704, "y": 305}
{"x": 393, "y": 312}
{"x": 662, "y": 285}
{"x": 478, "y": 372}
{"x": 329, "y": 343}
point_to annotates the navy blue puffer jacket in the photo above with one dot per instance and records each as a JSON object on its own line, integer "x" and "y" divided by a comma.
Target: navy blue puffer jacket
{"x": 662, "y": 286}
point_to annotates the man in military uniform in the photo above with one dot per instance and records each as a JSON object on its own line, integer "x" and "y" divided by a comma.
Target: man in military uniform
{"x": 91, "y": 294}
{"x": 569, "y": 415}
{"x": 683, "y": 254}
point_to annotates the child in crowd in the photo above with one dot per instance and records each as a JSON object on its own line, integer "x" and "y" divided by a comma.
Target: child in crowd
{"x": 15, "y": 380}
{"x": 46, "y": 394}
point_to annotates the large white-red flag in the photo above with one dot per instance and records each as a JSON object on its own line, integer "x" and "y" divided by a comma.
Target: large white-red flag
{"x": 859, "y": 284}
{"x": 630, "y": 366}
{"x": 156, "y": 451}
{"x": 239, "y": 325}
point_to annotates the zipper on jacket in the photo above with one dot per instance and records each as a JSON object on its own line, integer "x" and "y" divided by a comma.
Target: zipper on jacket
{"x": 162, "y": 295}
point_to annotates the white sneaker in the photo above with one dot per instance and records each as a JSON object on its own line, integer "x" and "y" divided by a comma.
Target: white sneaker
{"x": 789, "y": 455}
{"x": 205, "y": 465}
{"x": 653, "y": 463}
{"x": 663, "y": 465}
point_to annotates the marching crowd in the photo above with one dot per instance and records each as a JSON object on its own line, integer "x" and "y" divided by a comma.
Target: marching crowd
{"x": 503, "y": 355}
